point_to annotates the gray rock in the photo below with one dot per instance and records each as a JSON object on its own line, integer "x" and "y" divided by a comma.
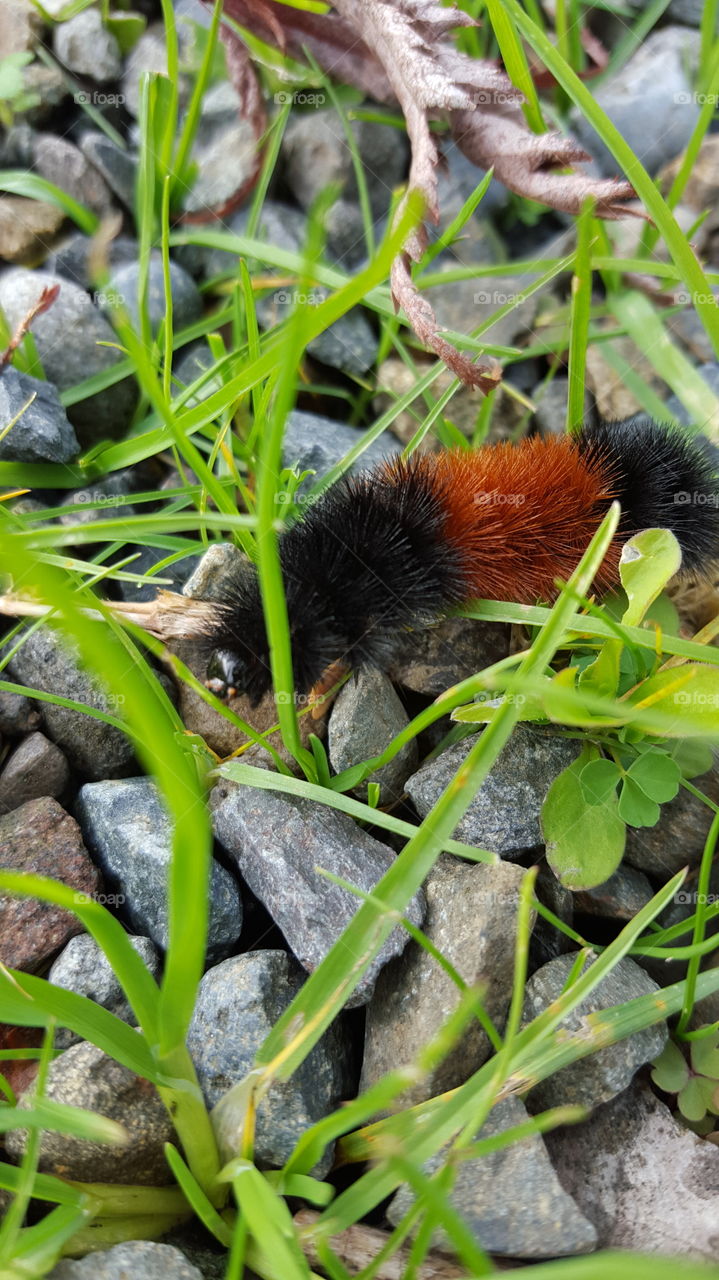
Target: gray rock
{"x": 86, "y": 47}
{"x": 350, "y": 344}
{"x": 128, "y": 829}
{"x": 511, "y": 1200}
{"x": 457, "y": 179}
{"x": 471, "y": 919}
{"x": 102, "y": 500}
{"x": 147, "y": 558}
{"x": 95, "y": 749}
{"x": 504, "y": 814}
{"x": 316, "y": 154}
{"x": 72, "y": 259}
{"x": 433, "y": 659}
{"x": 280, "y": 224}
{"x": 710, "y": 374}
{"x": 150, "y": 54}
{"x": 141, "y": 1259}
{"x": 62, "y": 163}
{"x": 83, "y": 967}
{"x": 463, "y": 305}
{"x": 49, "y": 84}
{"x": 238, "y": 1003}
{"x": 551, "y": 400}
{"x": 84, "y": 1076}
{"x": 65, "y": 362}
{"x": 20, "y": 29}
{"x": 365, "y": 718}
{"x": 642, "y": 1177}
{"x": 278, "y": 841}
{"x": 316, "y": 443}
{"x": 18, "y": 715}
{"x": 36, "y": 768}
{"x": 650, "y": 100}
{"x": 186, "y": 299}
{"x": 619, "y": 898}
{"x": 118, "y": 168}
{"x": 42, "y": 432}
{"x": 225, "y": 151}
{"x": 679, "y": 836}
{"x": 194, "y": 360}
{"x": 603, "y": 1074}
{"x": 16, "y": 146}
{"x": 218, "y": 563}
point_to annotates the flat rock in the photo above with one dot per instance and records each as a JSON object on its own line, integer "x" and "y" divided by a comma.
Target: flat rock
{"x": 277, "y": 842}
{"x": 107, "y": 413}
{"x": 41, "y": 838}
{"x": 46, "y": 662}
{"x": 83, "y": 967}
{"x": 238, "y": 1003}
{"x": 365, "y": 718}
{"x": 471, "y": 919}
{"x": 26, "y": 226}
{"x": 36, "y": 768}
{"x": 141, "y": 1259}
{"x": 504, "y": 814}
{"x": 463, "y": 305}
{"x": 127, "y": 827}
{"x": 63, "y": 164}
{"x": 604, "y": 1074}
{"x": 433, "y": 659}
{"x": 84, "y": 1076}
{"x": 86, "y": 47}
{"x": 511, "y": 1200}
{"x": 646, "y": 1182}
{"x": 650, "y": 100}
{"x": 42, "y": 432}
{"x": 313, "y": 442}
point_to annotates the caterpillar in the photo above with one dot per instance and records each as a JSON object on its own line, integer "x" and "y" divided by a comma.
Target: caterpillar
{"x": 400, "y": 545}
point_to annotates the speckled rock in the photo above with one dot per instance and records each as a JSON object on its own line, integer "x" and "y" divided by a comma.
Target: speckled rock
{"x": 238, "y": 1003}
{"x": 150, "y": 54}
{"x": 85, "y": 46}
{"x": 433, "y": 659}
{"x": 315, "y": 153}
{"x": 619, "y": 898}
{"x": 95, "y": 749}
{"x": 365, "y": 718}
{"x": 278, "y": 841}
{"x": 107, "y": 413}
{"x": 504, "y": 814}
{"x": 18, "y": 714}
{"x": 471, "y": 919}
{"x": 83, "y": 967}
{"x": 139, "y": 1259}
{"x": 678, "y": 838}
{"x": 102, "y": 500}
{"x": 42, "y": 432}
{"x": 644, "y": 1179}
{"x": 62, "y": 163}
{"x": 127, "y": 827}
{"x": 511, "y": 1200}
{"x": 26, "y": 228}
{"x": 186, "y": 300}
{"x": 20, "y": 28}
{"x": 314, "y": 442}
{"x": 118, "y": 168}
{"x": 40, "y": 837}
{"x": 225, "y": 151}
{"x": 650, "y": 100}
{"x": 36, "y": 768}
{"x": 84, "y": 1076}
{"x": 208, "y": 580}
{"x": 602, "y": 1075}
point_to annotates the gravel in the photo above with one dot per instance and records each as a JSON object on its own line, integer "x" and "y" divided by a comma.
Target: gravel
{"x": 42, "y": 432}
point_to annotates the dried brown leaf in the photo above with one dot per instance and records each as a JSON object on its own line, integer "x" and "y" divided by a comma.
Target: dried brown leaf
{"x": 44, "y": 302}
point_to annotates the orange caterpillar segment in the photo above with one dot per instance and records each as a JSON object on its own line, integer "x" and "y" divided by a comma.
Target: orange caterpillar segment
{"x": 520, "y": 516}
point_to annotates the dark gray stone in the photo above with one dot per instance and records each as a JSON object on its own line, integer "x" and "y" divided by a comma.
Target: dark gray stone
{"x": 511, "y": 1200}
{"x": 642, "y": 1177}
{"x": 84, "y": 45}
{"x": 277, "y": 842}
{"x": 457, "y": 179}
{"x": 603, "y": 1074}
{"x": 16, "y": 146}
{"x": 72, "y": 258}
{"x": 551, "y": 400}
{"x": 18, "y": 715}
{"x": 117, "y": 167}
{"x": 186, "y": 299}
{"x": 650, "y": 100}
{"x": 84, "y": 1076}
{"x": 95, "y": 749}
{"x": 316, "y": 154}
{"x": 365, "y": 718}
{"x": 194, "y": 360}
{"x": 471, "y": 919}
{"x": 432, "y": 659}
{"x": 62, "y": 163}
{"x": 103, "y": 500}
{"x": 68, "y": 338}
{"x": 225, "y": 151}
{"x": 679, "y": 836}
{"x": 42, "y": 432}
{"x": 619, "y": 898}
{"x": 83, "y": 967}
{"x": 150, "y": 54}
{"x": 463, "y": 305}
{"x": 36, "y": 768}
{"x": 710, "y": 374}
{"x": 141, "y": 1259}
{"x": 317, "y": 443}
{"x": 238, "y": 1003}
{"x": 127, "y": 827}
{"x": 504, "y": 814}
{"x": 280, "y": 224}
{"x": 350, "y": 344}
{"x": 147, "y": 558}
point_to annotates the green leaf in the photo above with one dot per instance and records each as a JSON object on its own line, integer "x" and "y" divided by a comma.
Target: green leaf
{"x": 635, "y": 808}
{"x": 657, "y": 775}
{"x": 585, "y": 843}
{"x": 689, "y": 694}
{"x": 18, "y": 183}
{"x": 671, "y": 1071}
{"x": 693, "y": 757}
{"x": 602, "y": 675}
{"x": 693, "y": 1099}
{"x": 599, "y": 780}
{"x": 705, "y": 1056}
{"x": 648, "y": 561}
{"x": 126, "y": 28}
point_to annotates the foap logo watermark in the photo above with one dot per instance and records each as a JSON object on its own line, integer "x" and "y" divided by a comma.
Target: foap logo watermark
{"x": 699, "y": 99}
{"x": 296, "y": 298}
{"x": 104, "y": 899}
{"x": 495, "y": 97}
{"x": 683, "y": 297}
{"x": 108, "y": 298}
{"x": 494, "y": 298}
{"x": 285, "y": 699}
{"x": 690, "y": 898}
{"x": 695, "y": 698}
{"x": 496, "y": 699}
{"x": 115, "y": 700}
{"x": 100, "y": 499}
{"x": 684, "y": 499}
{"x": 300, "y": 98}
{"x": 85, "y": 99}
{"x": 494, "y": 498}
{"x": 286, "y": 499}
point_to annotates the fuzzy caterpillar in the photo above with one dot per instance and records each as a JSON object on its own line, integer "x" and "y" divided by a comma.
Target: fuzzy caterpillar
{"x": 402, "y": 544}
